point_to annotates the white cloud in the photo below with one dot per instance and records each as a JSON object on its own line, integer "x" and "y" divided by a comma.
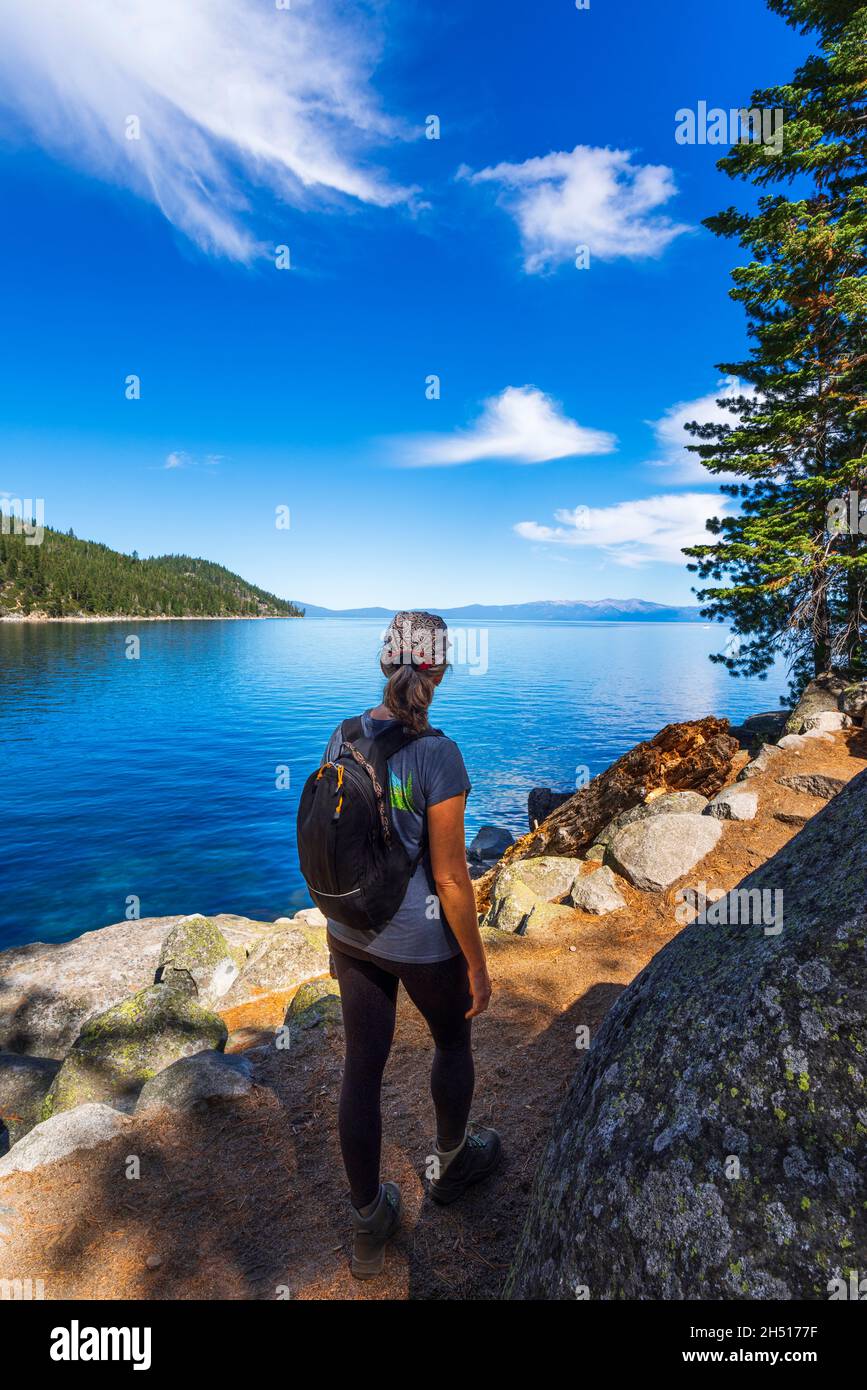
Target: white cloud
{"x": 672, "y": 438}
{"x": 227, "y": 93}
{"x": 522, "y": 425}
{"x": 589, "y": 197}
{"x": 179, "y": 458}
{"x": 634, "y": 533}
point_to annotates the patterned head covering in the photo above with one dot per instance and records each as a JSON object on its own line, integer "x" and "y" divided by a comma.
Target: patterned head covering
{"x": 415, "y": 639}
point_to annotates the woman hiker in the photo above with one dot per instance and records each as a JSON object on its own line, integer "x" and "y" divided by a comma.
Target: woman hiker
{"x": 430, "y": 941}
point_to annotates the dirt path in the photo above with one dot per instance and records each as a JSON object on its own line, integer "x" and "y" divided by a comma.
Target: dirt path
{"x": 249, "y": 1199}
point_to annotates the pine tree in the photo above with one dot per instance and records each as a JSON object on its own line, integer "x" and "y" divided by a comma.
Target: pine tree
{"x": 788, "y": 577}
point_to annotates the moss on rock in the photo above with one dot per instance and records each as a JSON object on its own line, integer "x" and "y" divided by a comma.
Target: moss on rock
{"x": 196, "y": 948}
{"x": 116, "y": 1052}
{"x": 316, "y": 1002}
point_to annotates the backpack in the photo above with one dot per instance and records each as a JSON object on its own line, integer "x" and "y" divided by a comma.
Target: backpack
{"x": 355, "y": 866}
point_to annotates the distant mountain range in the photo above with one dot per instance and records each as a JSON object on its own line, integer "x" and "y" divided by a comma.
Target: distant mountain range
{"x": 65, "y": 576}
{"x": 634, "y": 610}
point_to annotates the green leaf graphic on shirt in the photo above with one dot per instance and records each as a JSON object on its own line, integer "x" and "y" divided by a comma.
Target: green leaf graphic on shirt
{"x": 401, "y": 796}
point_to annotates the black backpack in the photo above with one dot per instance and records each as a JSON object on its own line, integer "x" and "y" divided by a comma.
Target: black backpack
{"x": 355, "y": 867}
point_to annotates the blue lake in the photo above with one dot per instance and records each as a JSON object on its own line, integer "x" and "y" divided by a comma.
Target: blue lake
{"x": 156, "y": 777}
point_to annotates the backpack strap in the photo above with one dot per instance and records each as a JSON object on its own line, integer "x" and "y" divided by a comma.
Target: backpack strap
{"x": 373, "y": 753}
{"x": 352, "y": 729}
{"x": 387, "y": 745}
{"x": 378, "y": 748}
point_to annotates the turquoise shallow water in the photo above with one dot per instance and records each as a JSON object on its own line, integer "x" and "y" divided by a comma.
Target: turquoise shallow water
{"x": 156, "y": 777}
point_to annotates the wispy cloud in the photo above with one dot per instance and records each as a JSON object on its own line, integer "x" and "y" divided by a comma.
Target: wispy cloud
{"x": 179, "y": 458}
{"x": 589, "y": 196}
{"x": 228, "y": 95}
{"x": 634, "y": 533}
{"x": 521, "y": 425}
{"x": 672, "y": 438}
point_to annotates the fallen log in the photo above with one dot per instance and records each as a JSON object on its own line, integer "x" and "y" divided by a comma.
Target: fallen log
{"x": 699, "y": 755}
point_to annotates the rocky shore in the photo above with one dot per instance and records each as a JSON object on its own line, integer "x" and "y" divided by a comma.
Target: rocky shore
{"x": 720, "y": 871}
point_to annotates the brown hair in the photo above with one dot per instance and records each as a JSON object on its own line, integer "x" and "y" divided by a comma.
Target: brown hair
{"x": 414, "y": 658}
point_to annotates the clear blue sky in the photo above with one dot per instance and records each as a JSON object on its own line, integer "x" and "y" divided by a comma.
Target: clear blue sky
{"x": 305, "y": 388}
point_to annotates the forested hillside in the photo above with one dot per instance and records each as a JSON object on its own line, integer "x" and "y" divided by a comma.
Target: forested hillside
{"x": 65, "y": 576}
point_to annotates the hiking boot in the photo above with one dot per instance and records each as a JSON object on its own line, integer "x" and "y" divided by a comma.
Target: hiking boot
{"x": 373, "y": 1232}
{"x": 476, "y": 1161}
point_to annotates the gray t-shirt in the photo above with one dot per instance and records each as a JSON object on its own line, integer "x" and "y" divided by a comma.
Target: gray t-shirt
{"x": 427, "y": 771}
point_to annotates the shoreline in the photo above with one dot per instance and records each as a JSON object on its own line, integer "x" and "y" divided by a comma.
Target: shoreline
{"x": 20, "y": 618}
{"x": 17, "y": 619}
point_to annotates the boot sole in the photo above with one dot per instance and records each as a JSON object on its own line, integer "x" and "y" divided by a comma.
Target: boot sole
{"x": 445, "y": 1196}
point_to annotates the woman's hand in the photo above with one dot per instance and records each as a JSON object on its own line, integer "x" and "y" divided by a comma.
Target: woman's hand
{"x": 480, "y": 989}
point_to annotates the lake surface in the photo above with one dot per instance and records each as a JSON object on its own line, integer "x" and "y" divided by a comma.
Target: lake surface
{"x": 156, "y": 777}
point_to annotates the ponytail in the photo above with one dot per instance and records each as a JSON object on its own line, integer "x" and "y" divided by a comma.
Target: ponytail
{"x": 408, "y": 694}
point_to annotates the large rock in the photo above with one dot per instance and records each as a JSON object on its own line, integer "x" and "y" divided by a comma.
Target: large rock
{"x": 310, "y": 917}
{"x": 769, "y": 724}
{"x": 667, "y": 803}
{"x": 62, "y": 1135}
{"x": 734, "y": 803}
{"x": 315, "y": 1003}
{"x": 287, "y": 958}
{"x": 814, "y": 784}
{"x": 490, "y": 843}
{"x": 653, "y": 853}
{"x": 597, "y": 893}
{"x": 48, "y": 990}
{"x": 823, "y": 695}
{"x": 747, "y": 740}
{"x": 760, "y": 763}
{"x": 511, "y": 905}
{"x": 828, "y": 722}
{"x": 24, "y": 1082}
{"x": 546, "y": 915}
{"x": 192, "y": 1083}
{"x": 542, "y": 801}
{"x": 118, "y": 1051}
{"x": 714, "y": 1143}
{"x": 757, "y": 729}
{"x": 853, "y": 701}
{"x": 520, "y": 886}
{"x": 698, "y": 756}
{"x": 548, "y": 876}
{"x": 197, "y": 950}
{"x": 793, "y": 743}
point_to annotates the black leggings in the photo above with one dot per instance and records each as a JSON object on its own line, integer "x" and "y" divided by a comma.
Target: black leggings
{"x": 368, "y": 994}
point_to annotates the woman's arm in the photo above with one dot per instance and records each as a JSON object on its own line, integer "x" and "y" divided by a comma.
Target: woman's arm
{"x": 448, "y": 855}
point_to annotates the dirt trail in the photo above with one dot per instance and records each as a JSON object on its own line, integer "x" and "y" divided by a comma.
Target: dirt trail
{"x": 249, "y": 1200}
